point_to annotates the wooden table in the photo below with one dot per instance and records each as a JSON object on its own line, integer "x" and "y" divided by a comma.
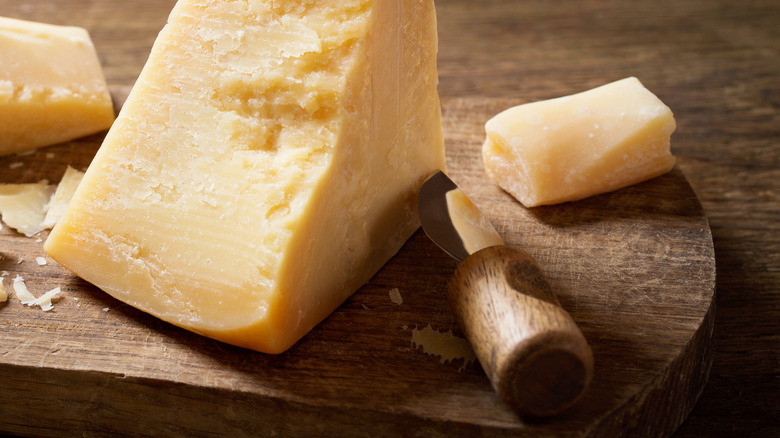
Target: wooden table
{"x": 715, "y": 63}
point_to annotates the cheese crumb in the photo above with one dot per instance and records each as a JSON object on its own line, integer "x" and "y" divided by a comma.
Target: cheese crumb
{"x": 395, "y": 296}
{"x": 24, "y": 295}
{"x": 3, "y": 292}
{"x": 443, "y": 344}
{"x": 41, "y": 261}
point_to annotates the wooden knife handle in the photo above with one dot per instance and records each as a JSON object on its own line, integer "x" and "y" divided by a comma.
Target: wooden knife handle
{"x": 531, "y": 349}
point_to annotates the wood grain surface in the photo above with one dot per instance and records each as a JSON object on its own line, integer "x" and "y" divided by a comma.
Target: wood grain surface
{"x": 635, "y": 268}
{"x": 714, "y": 62}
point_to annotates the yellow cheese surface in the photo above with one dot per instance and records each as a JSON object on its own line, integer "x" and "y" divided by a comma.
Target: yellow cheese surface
{"x": 581, "y": 145}
{"x": 264, "y": 166}
{"x": 52, "y": 87}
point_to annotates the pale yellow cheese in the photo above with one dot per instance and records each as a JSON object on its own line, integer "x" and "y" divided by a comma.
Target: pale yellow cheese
{"x": 264, "y": 166}
{"x": 581, "y": 145}
{"x": 52, "y": 87}
{"x": 45, "y": 301}
{"x": 3, "y": 292}
{"x": 24, "y": 206}
{"x": 32, "y": 208}
{"x": 62, "y": 196}
{"x": 22, "y": 293}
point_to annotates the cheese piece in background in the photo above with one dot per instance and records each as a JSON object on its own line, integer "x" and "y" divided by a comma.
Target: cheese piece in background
{"x": 24, "y": 206}
{"x": 264, "y": 167}
{"x": 52, "y": 87}
{"x": 576, "y": 146}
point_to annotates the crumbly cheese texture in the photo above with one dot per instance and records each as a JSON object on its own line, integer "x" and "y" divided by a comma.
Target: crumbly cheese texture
{"x": 581, "y": 145}
{"x": 264, "y": 166}
{"x": 52, "y": 87}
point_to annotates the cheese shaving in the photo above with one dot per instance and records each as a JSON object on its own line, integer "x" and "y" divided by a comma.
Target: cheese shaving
{"x": 61, "y": 198}
{"x": 45, "y": 301}
{"x": 24, "y": 206}
{"x": 32, "y": 208}
{"x": 395, "y": 296}
{"x": 24, "y": 295}
{"x": 443, "y": 344}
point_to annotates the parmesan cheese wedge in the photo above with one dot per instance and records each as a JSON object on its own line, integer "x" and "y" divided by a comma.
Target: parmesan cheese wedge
{"x": 264, "y": 166}
{"x": 581, "y": 145}
{"x": 52, "y": 87}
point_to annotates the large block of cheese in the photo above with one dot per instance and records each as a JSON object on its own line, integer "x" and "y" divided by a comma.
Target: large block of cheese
{"x": 52, "y": 87}
{"x": 576, "y": 146}
{"x": 264, "y": 166}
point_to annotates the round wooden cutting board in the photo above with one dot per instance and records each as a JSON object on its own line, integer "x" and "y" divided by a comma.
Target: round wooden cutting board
{"x": 635, "y": 268}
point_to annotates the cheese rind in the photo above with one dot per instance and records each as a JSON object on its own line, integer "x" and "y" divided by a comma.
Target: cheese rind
{"x": 576, "y": 146}
{"x": 52, "y": 87}
{"x": 264, "y": 166}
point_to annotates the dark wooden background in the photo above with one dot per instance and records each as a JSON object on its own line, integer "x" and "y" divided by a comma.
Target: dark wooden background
{"x": 716, "y": 63}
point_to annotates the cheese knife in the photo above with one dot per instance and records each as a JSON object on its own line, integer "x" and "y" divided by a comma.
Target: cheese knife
{"x": 535, "y": 356}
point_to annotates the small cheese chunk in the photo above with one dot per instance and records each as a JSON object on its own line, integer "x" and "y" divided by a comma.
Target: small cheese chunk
{"x": 52, "y": 87}
{"x": 576, "y": 146}
{"x": 265, "y": 165}
{"x": 24, "y": 206}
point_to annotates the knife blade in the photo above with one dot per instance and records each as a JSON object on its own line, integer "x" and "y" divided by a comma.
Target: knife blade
{"x": 535, "y": 356}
